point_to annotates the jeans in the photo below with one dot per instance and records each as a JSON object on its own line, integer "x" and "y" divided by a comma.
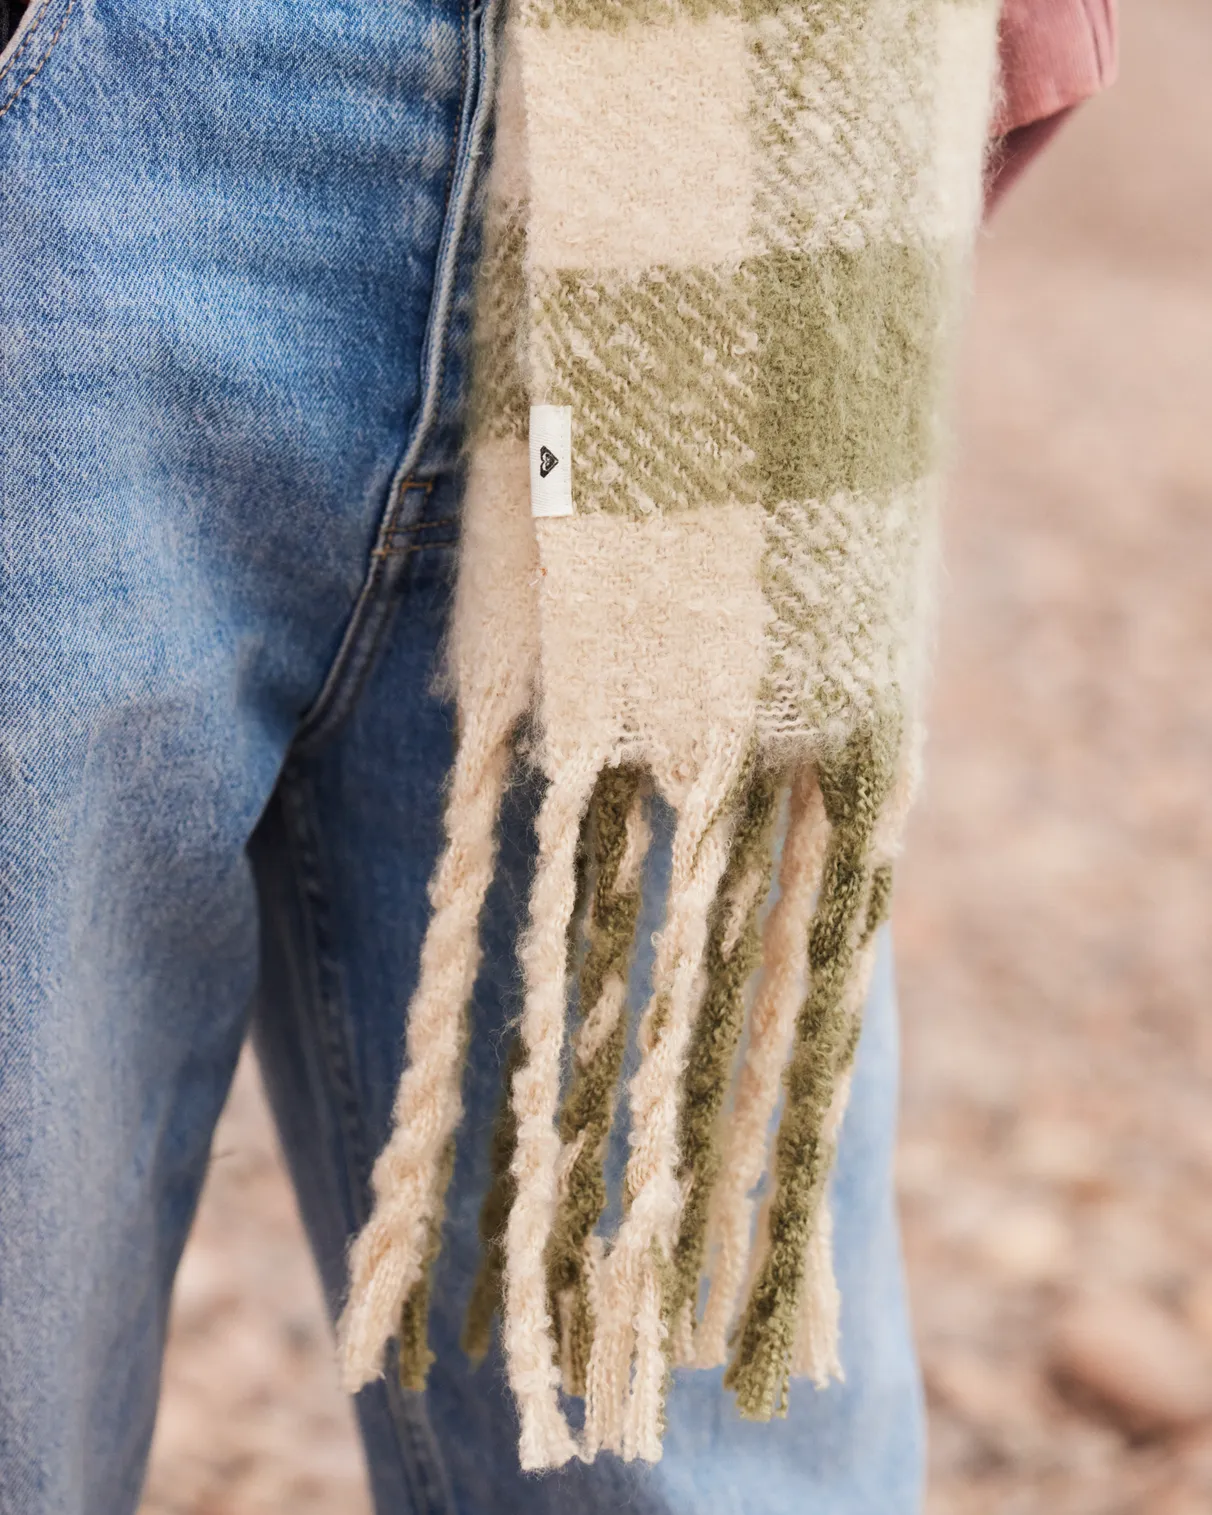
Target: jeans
{"x": 236, "y": 246}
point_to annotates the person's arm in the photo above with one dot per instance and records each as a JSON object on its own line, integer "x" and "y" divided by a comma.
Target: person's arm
{"x": 1054, "y": 55}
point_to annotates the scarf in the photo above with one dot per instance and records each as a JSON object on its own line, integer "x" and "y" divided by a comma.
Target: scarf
{"x": 725, "y": 245}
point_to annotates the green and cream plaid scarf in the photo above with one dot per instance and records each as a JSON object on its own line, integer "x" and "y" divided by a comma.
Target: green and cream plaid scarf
{"x": 725, "y": 246}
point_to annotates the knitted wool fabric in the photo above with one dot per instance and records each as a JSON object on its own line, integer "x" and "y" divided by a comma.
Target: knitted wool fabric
{"x": 725, "y": 249}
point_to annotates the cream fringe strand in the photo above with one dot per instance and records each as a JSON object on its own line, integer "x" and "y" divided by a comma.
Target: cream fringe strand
{"x": 546, "y": 1440}
{"x": 622, "y": 1412}
{"x": 387, "y": 1259}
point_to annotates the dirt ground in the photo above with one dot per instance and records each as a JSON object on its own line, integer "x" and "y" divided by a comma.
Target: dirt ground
{"x": 1054, "y": 914}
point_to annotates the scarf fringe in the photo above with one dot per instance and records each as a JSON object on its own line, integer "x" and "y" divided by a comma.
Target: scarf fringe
{"x": 617, "y": 842}
{"x": 608, "y": 1320}
{"x": 545, "y": 1437}
{"x": 780, "y": 993}
{"x": 854, "y": 790}
{"x": 624, "y": 1398}
{"x": 390, "y": 1256}
{"x": 487, "y": 1289}
{"x": 733, "y": 952}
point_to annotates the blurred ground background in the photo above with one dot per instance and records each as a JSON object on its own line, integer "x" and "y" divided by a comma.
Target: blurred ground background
{"x": 1054, "y": 913}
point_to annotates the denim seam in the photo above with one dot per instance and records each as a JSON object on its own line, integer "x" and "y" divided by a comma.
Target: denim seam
{"x": 31, "y": 33}
{"x": 408, "y": 552}
{"x": 337, "y": 692}
{"x": 415, "y": 527}
{"x": 396, "y": 553}
{"x": 425, "y": 1481}
{"x": 403, "y": 539}
{"x": 421, "y": 1459}
{"x": 368, "y": 625}
{"x": 16, "y": 93}
{"x": 313, "y": 901}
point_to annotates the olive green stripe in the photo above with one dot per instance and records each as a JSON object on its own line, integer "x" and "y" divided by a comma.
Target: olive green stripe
{"x": 487, "y": 1291}
{"x": 612, "y": 458}
{"x": 851, "y": 348}
{"x": 415, "y": 1354}
{"x": 879, "y": 901}
{"x": 644, "y": 397}
{"x": 853, "y": 789}
{"x": 830, "y": 362}
{"x": 658, "y": 372}
{"x": 589, "y": 1103}
{"x": 618, "y": 15}
{"x": 499, "y": 397}
{"x": 717, "y": 1030}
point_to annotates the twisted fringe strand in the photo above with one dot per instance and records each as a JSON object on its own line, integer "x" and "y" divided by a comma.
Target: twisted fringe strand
{"x": 617, "y": 841}
{"x": 625, "y": 1383}
{"x": 733, "y": 951}
{"x": 545, "y": 1437}
{"x": 409, "y": 1179}
{"x": 780, "y": 992}
{"x": 854, "y": 789}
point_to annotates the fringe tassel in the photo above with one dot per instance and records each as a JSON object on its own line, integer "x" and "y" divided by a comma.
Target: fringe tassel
{"x": 614, "y": 1317}
{"x": 617, "y": 842}
{"x": 390, "y": 1255}
{"x": 545, "y": 1438}
{"x": 816, "y": 1354}
{"x": 415, "y": 1356}
{"x": 733, "y": 952}
{"x": 624, "y": 1411}
{"x": 486, "y": 1291}
{"x": 854, "y": 789}
{"x": 816, "y": 1350}
{"x": 780, "y": 993}
{"x": 488, "y": 1286}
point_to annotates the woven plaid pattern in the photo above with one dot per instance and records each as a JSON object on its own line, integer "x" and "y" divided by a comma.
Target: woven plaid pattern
{"x": 731, "y": 237}
{"x": 747, "y": 234}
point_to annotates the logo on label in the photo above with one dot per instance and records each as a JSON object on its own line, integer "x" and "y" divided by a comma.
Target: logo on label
{"x": 551, "y": 460}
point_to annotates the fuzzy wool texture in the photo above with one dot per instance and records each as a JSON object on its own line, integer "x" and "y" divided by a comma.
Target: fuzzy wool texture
{"x": 617, "y": 843}
{"x": 730, "y": 239}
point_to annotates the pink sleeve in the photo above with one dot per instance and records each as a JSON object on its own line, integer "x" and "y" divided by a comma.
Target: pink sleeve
{"x": 1055, "y": 54}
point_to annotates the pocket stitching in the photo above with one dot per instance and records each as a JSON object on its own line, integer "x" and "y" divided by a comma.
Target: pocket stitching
{"x": 15, "y": 94}
{"x": 27, "y": 41}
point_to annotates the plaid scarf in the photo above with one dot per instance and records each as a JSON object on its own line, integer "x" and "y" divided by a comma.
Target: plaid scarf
{"x": 725, "y": 246}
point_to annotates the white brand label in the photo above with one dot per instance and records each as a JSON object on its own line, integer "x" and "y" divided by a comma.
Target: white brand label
{"x": 551, "y": 460}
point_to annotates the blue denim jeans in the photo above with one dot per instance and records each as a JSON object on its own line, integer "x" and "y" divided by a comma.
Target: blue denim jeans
{"x": 236, "y": 242}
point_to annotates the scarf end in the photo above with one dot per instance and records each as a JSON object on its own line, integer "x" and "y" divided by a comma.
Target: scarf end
{"x": 756, "y": 994}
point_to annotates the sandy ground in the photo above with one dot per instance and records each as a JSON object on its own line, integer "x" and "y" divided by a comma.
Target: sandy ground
{"x": 1054, "y": 914}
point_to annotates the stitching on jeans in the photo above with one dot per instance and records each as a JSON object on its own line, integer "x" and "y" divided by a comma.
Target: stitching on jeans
{"x": 407, "y": 552}
{"x": 297, "y": 812}
{"x": 364, "y": 631}
{"x": 329, "y": 1006}
{"x": 420, "y": 1455}
{"x": 30, "y": 36}
{"x": 367, "y": 617}
{"x": 424, "y": 525}
{"x": 50, "y": 46}
{"x": 465, "y": 9}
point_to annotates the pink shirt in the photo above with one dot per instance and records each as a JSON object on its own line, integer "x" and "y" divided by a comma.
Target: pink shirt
{"x": 1054, "y": 55}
